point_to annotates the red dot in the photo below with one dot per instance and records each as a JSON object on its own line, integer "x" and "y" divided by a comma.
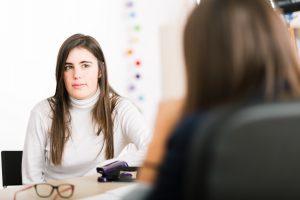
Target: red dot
{"x": 138, "y": 63}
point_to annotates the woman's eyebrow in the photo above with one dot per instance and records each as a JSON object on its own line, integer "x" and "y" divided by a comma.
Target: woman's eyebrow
{"x": 84, "y": 61}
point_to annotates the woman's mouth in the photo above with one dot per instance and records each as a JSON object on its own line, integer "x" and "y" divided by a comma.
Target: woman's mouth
{"x": 78, "y": 85}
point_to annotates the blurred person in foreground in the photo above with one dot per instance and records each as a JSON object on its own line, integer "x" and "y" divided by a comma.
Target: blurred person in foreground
{"x": 235, "y": 51}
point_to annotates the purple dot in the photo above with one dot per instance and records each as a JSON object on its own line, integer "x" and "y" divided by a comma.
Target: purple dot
{"x": 131, "y": 88}
{"x": 138, "y": 76}
{"x": 129, "y": 4}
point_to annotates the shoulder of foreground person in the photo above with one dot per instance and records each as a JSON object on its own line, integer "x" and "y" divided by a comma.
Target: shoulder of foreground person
{"x": 169, "y": 181}
{"x": 185, "y": 129}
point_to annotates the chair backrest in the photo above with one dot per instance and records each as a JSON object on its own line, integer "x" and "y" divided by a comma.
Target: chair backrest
{"x": 249, "y": 153}
{"x": 288, "y": 6}
{"x": 11, "y": 168}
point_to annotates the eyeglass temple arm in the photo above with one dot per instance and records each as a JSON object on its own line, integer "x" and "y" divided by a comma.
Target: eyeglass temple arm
{"x": 23, "y": 189}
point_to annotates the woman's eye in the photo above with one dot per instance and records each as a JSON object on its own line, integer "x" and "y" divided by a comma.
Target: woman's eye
{"x": 86, "y": 65}
{"x": 67, "y": 67}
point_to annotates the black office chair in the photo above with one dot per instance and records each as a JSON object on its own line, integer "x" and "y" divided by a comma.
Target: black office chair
{"x": 11, "y": 168}
{"x": 251, "y": 153}
{"x": 288, "y": 6}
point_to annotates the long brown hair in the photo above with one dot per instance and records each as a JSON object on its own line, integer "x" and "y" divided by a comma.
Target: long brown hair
{"x": 235, "y": 48}
{"x": 60, "y": 103}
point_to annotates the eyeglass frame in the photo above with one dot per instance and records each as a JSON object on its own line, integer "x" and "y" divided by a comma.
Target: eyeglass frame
{"x": 54, "y": 188}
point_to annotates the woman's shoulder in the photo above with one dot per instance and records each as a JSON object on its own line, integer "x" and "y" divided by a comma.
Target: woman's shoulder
{"x": 124, "y": 103}
{"x": 42, "y": 106}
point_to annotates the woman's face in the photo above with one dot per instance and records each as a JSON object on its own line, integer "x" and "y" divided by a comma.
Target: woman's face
{"x": 81, "y": 73}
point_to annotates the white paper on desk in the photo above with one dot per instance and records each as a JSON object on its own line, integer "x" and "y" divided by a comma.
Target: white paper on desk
{"x": 115, "y": 194}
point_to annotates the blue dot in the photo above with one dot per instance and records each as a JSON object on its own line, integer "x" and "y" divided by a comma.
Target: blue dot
{"x": 132, "y": 14}
{"x": 141, "y": 98}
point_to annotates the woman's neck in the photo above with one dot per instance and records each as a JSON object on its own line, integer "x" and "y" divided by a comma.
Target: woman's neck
{"x": 85, "y": 103}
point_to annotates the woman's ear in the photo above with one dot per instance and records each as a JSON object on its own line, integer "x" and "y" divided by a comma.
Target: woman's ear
{"x": 101, "y": 67}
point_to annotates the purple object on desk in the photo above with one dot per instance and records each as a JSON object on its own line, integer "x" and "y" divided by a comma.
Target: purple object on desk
{"x": 106, "y": 169}
{"x": 110, "y": 171}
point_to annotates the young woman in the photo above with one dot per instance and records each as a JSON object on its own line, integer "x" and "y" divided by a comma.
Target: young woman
{"x": 85, "y": 124}
{"x": 235, "y": 51}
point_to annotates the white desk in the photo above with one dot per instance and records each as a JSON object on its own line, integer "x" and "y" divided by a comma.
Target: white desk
{"x": 84, "y": 187}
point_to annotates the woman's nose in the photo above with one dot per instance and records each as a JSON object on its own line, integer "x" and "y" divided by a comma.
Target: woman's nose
{"x": 77, "y": 73}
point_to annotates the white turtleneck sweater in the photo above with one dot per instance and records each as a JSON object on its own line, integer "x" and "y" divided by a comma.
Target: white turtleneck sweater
{"x": 81, "y": 152}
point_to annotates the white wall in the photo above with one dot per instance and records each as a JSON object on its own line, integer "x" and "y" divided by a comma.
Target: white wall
{"x": 32, "y": 31}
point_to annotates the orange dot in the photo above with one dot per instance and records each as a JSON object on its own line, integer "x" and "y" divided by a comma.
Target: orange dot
{"x": 129, "y": 52}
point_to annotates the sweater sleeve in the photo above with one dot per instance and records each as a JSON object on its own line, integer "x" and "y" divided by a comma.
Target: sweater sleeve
{"x": 33, "y": 159}
{"x": 135, "y": 130}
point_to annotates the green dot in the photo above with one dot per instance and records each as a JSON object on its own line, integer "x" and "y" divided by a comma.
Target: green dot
{"x": 137, "y": 28}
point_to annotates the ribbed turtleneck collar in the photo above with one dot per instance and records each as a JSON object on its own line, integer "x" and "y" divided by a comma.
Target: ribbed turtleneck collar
{"x": 85, "y": 103}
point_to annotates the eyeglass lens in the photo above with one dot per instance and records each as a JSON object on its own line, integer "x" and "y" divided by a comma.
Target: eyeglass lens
{"x": 65, "y": 190}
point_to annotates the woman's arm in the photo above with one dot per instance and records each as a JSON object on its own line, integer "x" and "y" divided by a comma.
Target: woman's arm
{"x": 130, "y": 127}
{"x": 33, "y": 159}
